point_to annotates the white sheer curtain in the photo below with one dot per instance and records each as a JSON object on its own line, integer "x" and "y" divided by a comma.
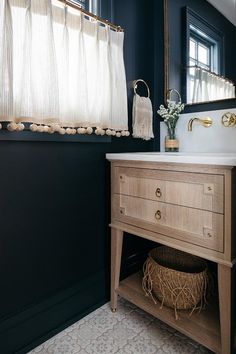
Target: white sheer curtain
{"x": 204, "y": 86}
{"x": 60, "y": 70}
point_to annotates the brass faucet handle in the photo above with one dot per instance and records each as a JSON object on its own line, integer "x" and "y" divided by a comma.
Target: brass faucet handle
{"x": 207, "y": 122}
{"x": 228, "y": 119}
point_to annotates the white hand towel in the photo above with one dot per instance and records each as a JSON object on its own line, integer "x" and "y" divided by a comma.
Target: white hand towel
{"x": 142, "y": 118}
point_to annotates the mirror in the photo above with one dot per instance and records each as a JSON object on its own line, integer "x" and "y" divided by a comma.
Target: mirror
{"x": 200, "y": 52}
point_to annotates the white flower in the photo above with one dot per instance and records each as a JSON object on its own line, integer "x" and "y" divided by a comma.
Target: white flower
{"x": 170, "y": 114}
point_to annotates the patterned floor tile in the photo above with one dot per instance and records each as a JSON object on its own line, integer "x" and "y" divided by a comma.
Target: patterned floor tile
{"x": 102, "y": 322}
{"x": 120, "y": 334}
{"x": 123, "y": 310}
{"x": 139, "y": 345}
{"x": 128, "y": 331}
{"x": 178, "y": 346}
{"x": 137, "y": 321}
{"x": 101, "y": 345}
{"x": 154, "y": 331}
{"x": 84, "y": 334}
{"x": 59, "y": 345}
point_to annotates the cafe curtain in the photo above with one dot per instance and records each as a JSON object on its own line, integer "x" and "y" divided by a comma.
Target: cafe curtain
{"x": 206, "y": 86}
{"x": 60, "y": 70}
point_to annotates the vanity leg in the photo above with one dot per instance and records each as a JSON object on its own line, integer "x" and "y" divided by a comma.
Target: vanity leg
{"x": 224, "y": 285}
{"x": 116, "y": 250}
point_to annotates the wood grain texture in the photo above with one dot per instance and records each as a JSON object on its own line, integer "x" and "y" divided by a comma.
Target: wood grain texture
{"x": 202, "y": 191}
{"x": 203, "y": 327}
{"x": 231, "y": 210}
{"x": 191, "y": 248}
{"x": 191, "y": 225}
{"x": 116, "y": 250}
{"x": 171, "y": 166}
{"x": 224, "y": 286}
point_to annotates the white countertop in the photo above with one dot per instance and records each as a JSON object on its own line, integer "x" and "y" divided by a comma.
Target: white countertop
{"x": 222, "y": 159}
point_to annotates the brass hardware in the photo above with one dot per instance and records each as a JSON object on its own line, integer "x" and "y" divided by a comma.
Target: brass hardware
{"x": 228, "y": 119}
{"x": 113, "y": 310}
{"x": 73, "y": 4}
{"x": 169, "y": 95}
{"x": 122, "y": 178}
{"x": 208, "y": 188}
{"x": 135, "y": 85}
{"x": 158, "y": 192}
{"x": 208, "y": 232}
{"x": 205, "y": 122}
{"x": 158, "y": 215}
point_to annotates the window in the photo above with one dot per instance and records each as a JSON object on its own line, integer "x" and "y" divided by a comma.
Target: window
{"x": 92, "y": 6}
{"x": 204, "y": 62}
{"x": 202, "y": 53}
{"x": 82, "y": 3}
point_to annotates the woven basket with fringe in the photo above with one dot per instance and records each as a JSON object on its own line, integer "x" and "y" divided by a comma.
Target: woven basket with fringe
{"x": 177, "y": 279}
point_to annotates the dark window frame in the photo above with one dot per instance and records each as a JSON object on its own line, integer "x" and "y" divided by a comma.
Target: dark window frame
{"x": 205, "y": 43}
{"x": 83, "y": 3}
{"x": 191, "y": 18}
{"x": 93, "y": 6}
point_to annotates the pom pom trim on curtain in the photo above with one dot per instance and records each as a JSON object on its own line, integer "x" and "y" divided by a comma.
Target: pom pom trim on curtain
{"x": 60, "y": 70}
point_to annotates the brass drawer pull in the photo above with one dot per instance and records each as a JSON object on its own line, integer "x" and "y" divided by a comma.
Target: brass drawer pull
{"x": 158, "y": 192}
{"x": 158, "y": 215}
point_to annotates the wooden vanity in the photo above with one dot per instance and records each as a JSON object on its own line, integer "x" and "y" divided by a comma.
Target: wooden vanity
{"x": 186, "y": 202}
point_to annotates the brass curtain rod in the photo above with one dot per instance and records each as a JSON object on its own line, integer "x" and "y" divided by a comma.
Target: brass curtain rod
{"x": 77, "y": 6}
{"x": 210, "y": 72}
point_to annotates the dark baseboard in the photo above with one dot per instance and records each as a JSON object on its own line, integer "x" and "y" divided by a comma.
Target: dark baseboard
{"x": 23, "y": 331}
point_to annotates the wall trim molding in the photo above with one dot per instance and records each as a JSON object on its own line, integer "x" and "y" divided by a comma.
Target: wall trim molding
{"x": 21, "y": 332}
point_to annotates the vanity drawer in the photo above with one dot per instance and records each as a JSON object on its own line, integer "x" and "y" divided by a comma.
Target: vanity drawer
{"x": 194, "y": 190}
{"x": 195, "y": 226}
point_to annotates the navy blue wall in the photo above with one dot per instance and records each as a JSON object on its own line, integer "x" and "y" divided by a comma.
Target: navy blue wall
{"x": 55, "y": 207}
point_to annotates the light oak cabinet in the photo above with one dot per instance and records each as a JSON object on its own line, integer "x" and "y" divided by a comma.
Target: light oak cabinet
{"x": 187, "y": 207}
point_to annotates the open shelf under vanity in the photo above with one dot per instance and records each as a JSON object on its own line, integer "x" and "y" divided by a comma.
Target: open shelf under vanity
{"x": 203, "y": 327}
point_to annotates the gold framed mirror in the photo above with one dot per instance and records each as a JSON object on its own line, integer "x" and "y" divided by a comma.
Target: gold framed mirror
{"x": 176, "y": 47}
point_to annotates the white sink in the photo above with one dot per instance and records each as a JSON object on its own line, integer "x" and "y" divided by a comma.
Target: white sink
{"x": 222, "y": 159}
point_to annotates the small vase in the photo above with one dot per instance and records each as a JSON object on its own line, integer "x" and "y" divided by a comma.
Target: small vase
{"x": 171, "y": 143}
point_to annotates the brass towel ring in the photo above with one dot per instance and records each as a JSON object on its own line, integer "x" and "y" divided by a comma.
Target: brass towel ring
{"x": 170, "y": 92}
{"x": 136, "y": 86}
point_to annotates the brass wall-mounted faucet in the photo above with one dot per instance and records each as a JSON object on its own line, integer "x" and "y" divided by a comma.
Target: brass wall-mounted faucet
{"x": 206, "y": 122}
